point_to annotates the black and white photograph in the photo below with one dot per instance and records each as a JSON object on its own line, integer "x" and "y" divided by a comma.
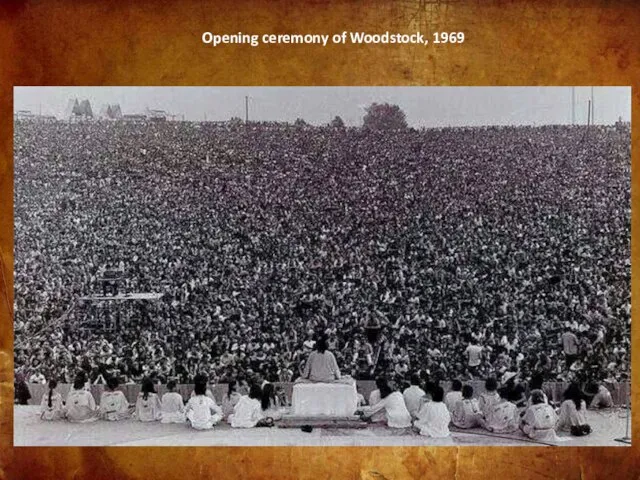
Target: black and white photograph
{"x": 322, "y": 266}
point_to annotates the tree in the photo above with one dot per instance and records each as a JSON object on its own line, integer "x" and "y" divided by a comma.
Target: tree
{"x": 300, "y": 123}
{"x": 235, "y": 122}
{"x": 384, "y": 117}
{"x": 337, "y": 122}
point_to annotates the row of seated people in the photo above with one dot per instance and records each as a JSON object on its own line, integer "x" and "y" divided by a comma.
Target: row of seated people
{"x": 431, "y": 413}
{"x": 260, "y": 406}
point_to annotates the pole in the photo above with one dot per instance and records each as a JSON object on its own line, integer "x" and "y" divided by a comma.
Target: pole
{"x": 589, "y": 114}
{"x": 593, "y": 108}
{"x": 246, "y": 109}
{"x": 627, "y": 438}
{"x": 573, "y": 105}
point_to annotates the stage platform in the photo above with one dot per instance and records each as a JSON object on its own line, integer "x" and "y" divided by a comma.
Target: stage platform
{"x": 29, "y": 430}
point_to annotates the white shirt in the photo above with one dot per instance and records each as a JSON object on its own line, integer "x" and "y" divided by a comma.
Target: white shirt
{"x": 203, "y": 412}
{"x": 80, "y": 406}
{"x": 374, "y": 398}
{"x": 247, "y": 413}
{"x": 148, "y": 410}
{"x": 172, "y": 408}
{"x": 413, "y": 399}
{"x": 451, "y": 398}
{"x": 396, "y": 411}
{"x": 433, "y": 420}
{"x": 113, "y": 405}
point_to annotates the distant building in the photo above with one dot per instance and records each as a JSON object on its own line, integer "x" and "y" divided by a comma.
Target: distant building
{"x": 156, "y": 115}
{"x": 22, "y": 115}
{"x": 28, "y": 116}
{"x": 78, "y": 111}
{"x": 134, "y": 118}
{"x": 110, "y": 112}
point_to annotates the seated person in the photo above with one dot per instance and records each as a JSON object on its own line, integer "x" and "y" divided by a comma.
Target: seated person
{"x": 454, "y": 396}
{"x": 321, "y": 365}
{"x": 374, "y": 398}
{"x": 248, "y": 411}
{"x": 413, "y": 396}
{"x": 490, "y": 397}
{"x": 503, "y": 416}
{"x": 602, "y": 399}
{"x": 361, "y": 401}
{"x": 201, "y": 411}
{"x": 270, "y": 403}
{"x": 51, "y": 406}
{"x": 536, "y": 383}
{"x": 539, "y": 420}
{"x": 148, "y": 408}
{"x": 573, "y": 409}
{"x": 230, "y": 400}
{"x": 466, "y": 413}
{"x": 113, "y": 404}
{"x": 433, "y": 417}
{"x": 80, "y": 405}
{"x": 172, "y": 405}
{"x": 393, "y": 406}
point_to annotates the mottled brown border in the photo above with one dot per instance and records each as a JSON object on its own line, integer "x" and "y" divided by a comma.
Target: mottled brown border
{"x": 85, "y": 42}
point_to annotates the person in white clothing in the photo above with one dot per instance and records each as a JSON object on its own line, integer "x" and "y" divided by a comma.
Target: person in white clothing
{"x": 392, "y": 403}
{"x": 230, "y": 400}
{"x": 114, "y": 405}
{"x": 374, "y": 398}
{"x": 539, "y": 420}
{"x": 503, "y": 416}
{"x": 413, "y": 396}
{"x": 51, "y": 406}
{"x": 148, "y": 404}
{"x": 434, "y": 417}
{"x": 248, "y": 411}
{"x": 490, "y": 397}
{"x": 466, "y": 413}
{"x": 602, "y": 399}
{"x": 80, "y": 406}
{"x": 270, "y": 403}
{"x": 454, "y": 396}
{"x": 172, "y": 405}
{"x": 201, "y": 412}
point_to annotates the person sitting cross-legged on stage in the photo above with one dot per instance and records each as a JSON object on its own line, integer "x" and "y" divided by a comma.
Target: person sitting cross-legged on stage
{"x": 572, "y": 417}
{"x": 503, "y": 416}
{"x": 113, "y": 403}
{"x": 413, "y": 396}
{"x": 248, "y": 411}
{"x": 202, "y": 412}
{"x": 434, "y": 417}
{"x": 392, "y": 402}
{"x": 490, "y": 397}
{"x": 321, "y": 366}
{"x": 231, "y": 399}
{"x": 172, "y": 405}
{"x": 80, "y": 406}
{"x": 539, "y": 420}
{"x": 148, "y": 408}
{"x": 602, "y": 399}
{"x": 374, "y": 398}
{"x": 466, "y": 412}
{"x": 51, "y": 407}
{"x": 454, "y": 396}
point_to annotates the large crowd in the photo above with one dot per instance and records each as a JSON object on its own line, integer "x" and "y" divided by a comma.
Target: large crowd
{"x": 406, "y": 248}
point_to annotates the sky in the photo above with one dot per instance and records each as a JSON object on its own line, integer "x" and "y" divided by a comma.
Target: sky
{"x": 424, "y": 106}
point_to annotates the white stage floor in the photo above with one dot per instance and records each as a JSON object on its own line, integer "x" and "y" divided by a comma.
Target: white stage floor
{"x": 29, "y": 430}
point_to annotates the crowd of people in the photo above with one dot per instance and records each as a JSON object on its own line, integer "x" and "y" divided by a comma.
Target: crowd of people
{"x": 458, "y": 252}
